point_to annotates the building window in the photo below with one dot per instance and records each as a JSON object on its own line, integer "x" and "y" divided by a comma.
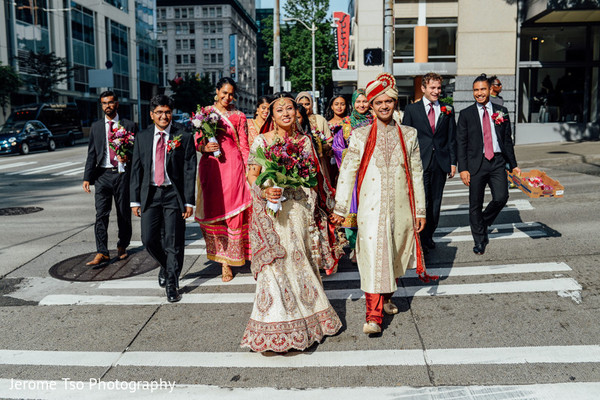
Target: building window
{"x": 206, "y": 58}
{"x": 120, "y": 4}
{"x": 119, "y": 52}
{"x": 161, "y": 27}
{"x": 442, "y": 39}
{"x": 213, "y": 58}
{"x": 186, "y": 59}
{"x": 219, "y": 43}
{"x": 213, "y": 43}
{"x": 205, "y": 43}
{"x": 212, "y": 12}
{"x": 192, "y": 44}
{"x": 82, "y": 42}
{"x": 192, "y": 59}
{"x": 220, "y": 58}
{"x": 178, "y": 58}
{"x": 219, "y": 12}
{"x": 177, "y": 44}
{"x": 177, "y": 13}
{"x": 205, "y": 12}
{"x": 162, "y": 13}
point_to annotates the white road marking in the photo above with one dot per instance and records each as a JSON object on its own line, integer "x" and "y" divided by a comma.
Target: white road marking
{"x": 91, "y": 391}
{"x": 295, "y": 359}
{"x": 196, "y": 242}
{"x": 350, "y": 276}
{"x": 546, "y": 285}
{"x": 465, "y": 192}
{"x": 513, "y": 225}
{"x": 512, "y": 205}
{"x": 493, "y": 236}
{"x": 17, "y": 164}
{"x": 70, "y": 172}
{"x": 44, "y": 168}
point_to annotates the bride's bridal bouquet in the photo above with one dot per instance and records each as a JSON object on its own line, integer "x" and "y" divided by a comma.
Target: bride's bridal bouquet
{"x": 121, "y": 141}
{"x": 285, "y": 165}
{"x": 204, "y": 121}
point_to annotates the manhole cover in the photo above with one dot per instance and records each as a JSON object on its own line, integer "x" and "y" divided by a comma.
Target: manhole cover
{"x": 74, "y": 268}
{"x": 19, "y": 210}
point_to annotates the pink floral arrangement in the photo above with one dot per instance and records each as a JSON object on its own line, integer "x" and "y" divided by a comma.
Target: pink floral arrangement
{"x": 121, "y": 141}
{"x": 537, "y": 182}
{"x": 205, "y": 122}
{"x": 499, "y": 117}
{"x": 286, "y": 165}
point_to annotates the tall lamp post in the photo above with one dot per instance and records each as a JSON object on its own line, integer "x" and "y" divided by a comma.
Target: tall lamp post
{"x": 312, "y": 30}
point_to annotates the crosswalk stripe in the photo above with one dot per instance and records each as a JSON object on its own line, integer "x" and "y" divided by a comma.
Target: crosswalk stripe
{"x": 44, "y": 168}
{"x": 70, "y": 172}
{"x": 465, "y": 192}
{"x": 546, "y": 285}
{"x": 17, "y": 164}
{"x": 189, "y": 242}
{"x": 512, "y": 205}
{"x": 90, "y": 390}
{"x": 353, "y": 358}
{"x": 513, "y": 225}
{"x": 352, "y": 276}
{"x": 493, "y": 236}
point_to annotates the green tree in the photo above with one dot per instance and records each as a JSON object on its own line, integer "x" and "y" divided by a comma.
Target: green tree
{"x": 43, "y": 72}
{"x": 191, "y": 90}
{"x": 296, "y": 43}
{"x": 10, "y": 82}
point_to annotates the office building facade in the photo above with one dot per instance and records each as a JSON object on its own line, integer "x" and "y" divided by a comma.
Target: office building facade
{"x": 546, "y": 54}
{"x": 115, "y": 35}
{"x": 210, "y": 38}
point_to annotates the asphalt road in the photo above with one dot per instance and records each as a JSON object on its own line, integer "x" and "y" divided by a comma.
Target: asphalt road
{"x": 520, "y": 322}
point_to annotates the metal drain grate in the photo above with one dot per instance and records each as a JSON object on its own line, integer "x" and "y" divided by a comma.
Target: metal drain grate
{"x": 19, "y": 210}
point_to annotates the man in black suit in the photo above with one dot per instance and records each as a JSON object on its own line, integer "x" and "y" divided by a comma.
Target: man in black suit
{"x": 163, "y": 180}
{"x": 101, "y": 171}
{"x": 436, "y": 131}
{"x": 485, "y": 151}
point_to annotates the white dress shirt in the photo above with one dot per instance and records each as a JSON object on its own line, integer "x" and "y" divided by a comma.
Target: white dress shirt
{"x": 106, "y": 159}
{"x": 436, "y": 108}
{"x": 490, "y": 111}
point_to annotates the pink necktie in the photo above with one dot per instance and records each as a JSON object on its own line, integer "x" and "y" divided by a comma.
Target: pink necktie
{"x": 159, "y": 161}
{"x": 111, "y": 152}
{"x": 431, "y": 116}
{"x": 488, "y": 146}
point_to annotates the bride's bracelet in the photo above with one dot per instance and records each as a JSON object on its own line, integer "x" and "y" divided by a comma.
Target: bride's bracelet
{"x": 263, "y": 194}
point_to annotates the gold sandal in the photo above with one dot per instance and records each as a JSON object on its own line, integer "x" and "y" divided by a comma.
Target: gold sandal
{"x": 226, "y": 273}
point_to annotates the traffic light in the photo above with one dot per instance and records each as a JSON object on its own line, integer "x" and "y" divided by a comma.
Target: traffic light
{"x": 373, "y": 56}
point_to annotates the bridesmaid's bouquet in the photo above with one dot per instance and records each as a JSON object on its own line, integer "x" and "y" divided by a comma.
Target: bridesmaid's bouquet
{"x": 285, "y": 165}
{"x": 121, "y": 141}
{"x": 205, "y": 121}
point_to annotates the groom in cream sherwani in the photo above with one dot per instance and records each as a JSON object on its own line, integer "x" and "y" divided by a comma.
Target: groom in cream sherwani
{"x": 384, "y": 160}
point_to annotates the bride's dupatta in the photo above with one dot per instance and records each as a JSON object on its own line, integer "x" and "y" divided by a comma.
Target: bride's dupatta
{"x": 330, "y": 246}
{"x": 364, "y": 163}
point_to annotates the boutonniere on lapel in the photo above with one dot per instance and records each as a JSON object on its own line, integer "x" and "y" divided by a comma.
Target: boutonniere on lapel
{"x": 446, "y": 110}
{"x": 499, "y": 117}
{"x": 173, "y": 144}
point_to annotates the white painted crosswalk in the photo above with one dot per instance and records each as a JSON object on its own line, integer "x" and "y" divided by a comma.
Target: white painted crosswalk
{"x": 65, "y": 168}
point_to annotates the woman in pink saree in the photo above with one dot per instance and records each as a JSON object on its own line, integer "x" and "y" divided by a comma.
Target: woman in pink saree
{"x": 223, "y": 204}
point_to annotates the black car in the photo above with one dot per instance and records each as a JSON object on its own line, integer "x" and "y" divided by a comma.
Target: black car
{"x": 24, "y": 136}
{"x": 62, "y": 119}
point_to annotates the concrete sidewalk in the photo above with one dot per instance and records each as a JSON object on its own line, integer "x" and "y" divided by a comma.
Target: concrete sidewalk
{"x": 560, "y": 153}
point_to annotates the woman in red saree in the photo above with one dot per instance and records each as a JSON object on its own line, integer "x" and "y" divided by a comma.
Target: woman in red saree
{"x": 223, "y": 204}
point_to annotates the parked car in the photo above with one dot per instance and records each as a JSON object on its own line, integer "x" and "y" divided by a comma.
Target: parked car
{"x": 24, "y": 136}
{"x": 61, "y": 119}
{"x": 183, "y": 119}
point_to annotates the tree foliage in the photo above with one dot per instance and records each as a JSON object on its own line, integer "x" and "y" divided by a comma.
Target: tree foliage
{"x": 296, "y": 43}
{"x": 43, "y": 72}
{"x": 10, "y": 82}
{"x": 191, "y": 90}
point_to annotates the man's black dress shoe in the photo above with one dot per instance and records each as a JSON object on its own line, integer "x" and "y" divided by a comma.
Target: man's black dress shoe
{"x": 479, "y": 248}
{"x": 162, "y": 279}
{"x": 173, "y": 295}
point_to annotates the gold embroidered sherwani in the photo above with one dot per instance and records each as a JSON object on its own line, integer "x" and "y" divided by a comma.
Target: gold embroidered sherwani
{"x": 385, "y": 245}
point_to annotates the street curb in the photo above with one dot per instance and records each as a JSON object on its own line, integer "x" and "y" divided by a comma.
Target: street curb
{"x": 552, "y": 162}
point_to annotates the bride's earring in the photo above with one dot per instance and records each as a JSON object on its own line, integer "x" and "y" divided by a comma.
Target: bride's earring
{"x": 216, "y": 97}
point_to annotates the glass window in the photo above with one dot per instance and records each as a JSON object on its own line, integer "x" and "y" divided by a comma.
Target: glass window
{"x": 204, "y": 12}
{"x": 178, "y": 58}
{"x": 212, "y": 12}
{"x": 213, "y": 58}
{"x": 186, "y": 59}
{"x": 219, "y": 12}
{"x": 220, "y": 58}
{"x": 206, "y": 58}
{"x": 206, "y": 27}
{"x": 192, "y": 44}
{"x": 552, "y": 94}
{"x": 120, "y": 4}
{"x": 177, "y": 44}
{"x": 219, "y": 43}
{"x": 595, "y": 97}
{"x": 192, "y": 59}
{"x": 213, "y": 43}
{"x": 563, "y": 43}
{"x": 184, "y": 13}
{"x": 442, "y": 43}
{"x": 191, "y": 27}
{"x": 177, "y": 13}
{"x": 206, "y": 43}
{"x": 596, "y": 43}
{"x": 404, "y": 43}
